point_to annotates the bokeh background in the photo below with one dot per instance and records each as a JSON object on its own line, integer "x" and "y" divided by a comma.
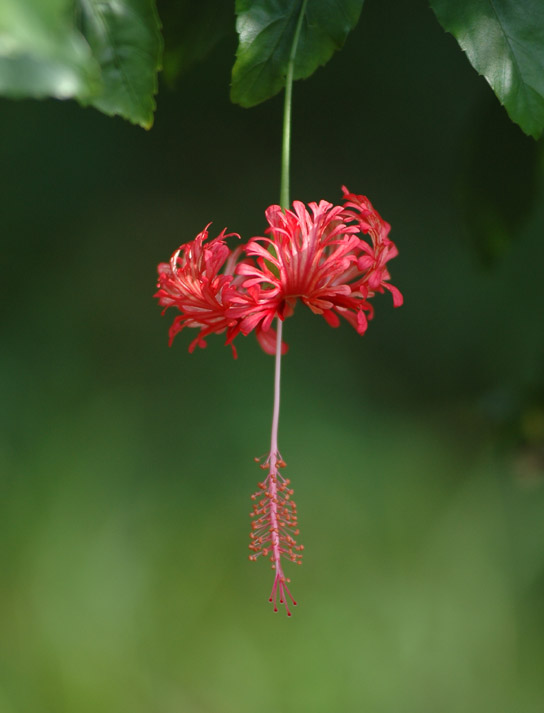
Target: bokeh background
{"x": 416, "y": 452}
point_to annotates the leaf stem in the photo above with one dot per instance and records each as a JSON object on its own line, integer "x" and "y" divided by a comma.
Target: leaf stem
{"x": 286, "y": 144}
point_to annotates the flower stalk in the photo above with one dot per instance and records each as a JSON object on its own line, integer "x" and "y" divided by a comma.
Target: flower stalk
{"x": 286, "y": 143}
{"x": 280, "y": 581}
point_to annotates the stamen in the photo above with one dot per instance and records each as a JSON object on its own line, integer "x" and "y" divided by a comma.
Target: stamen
{"x": 274, "y": 523}
{"x": 274, "y": 528}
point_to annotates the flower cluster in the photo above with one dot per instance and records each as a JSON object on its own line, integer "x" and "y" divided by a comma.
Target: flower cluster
{"x": 331, "y": 258}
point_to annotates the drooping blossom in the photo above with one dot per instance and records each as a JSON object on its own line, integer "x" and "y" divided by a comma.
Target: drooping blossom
{"x": 192, "y": 283}
{"x": 331, "y": 258}
{"x": 320, "y": 257}
{"x": 274, "y": 527}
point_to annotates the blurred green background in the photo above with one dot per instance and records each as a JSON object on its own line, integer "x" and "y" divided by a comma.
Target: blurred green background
{"x": 416, "y": 452}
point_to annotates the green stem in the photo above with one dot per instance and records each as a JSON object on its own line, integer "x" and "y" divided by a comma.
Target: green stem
{"x": 286, "y": 145}
{"x": 284, "y": 201}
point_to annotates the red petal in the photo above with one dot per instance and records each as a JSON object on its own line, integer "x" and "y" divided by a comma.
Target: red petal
{"x": 398, "y": 299}
{"x": 267, "y": 340}
{"x": 331, "y": 318}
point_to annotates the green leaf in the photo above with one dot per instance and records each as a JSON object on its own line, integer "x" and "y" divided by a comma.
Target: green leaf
{"x": 42, "y": 53}
{"x": 105, "y": 53}
{"x": 124, "y": 36}
{"x": 266, "y": 29}
{"x": 504, "y": 41}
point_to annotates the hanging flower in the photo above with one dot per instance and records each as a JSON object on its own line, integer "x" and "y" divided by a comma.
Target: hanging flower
{"x": 317, "y": 256}
{"x": 333, "y": 259}
{"x": 192, "y": 283}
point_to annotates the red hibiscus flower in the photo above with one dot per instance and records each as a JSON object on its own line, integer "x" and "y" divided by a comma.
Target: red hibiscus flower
{"x": 331, "y": 258}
